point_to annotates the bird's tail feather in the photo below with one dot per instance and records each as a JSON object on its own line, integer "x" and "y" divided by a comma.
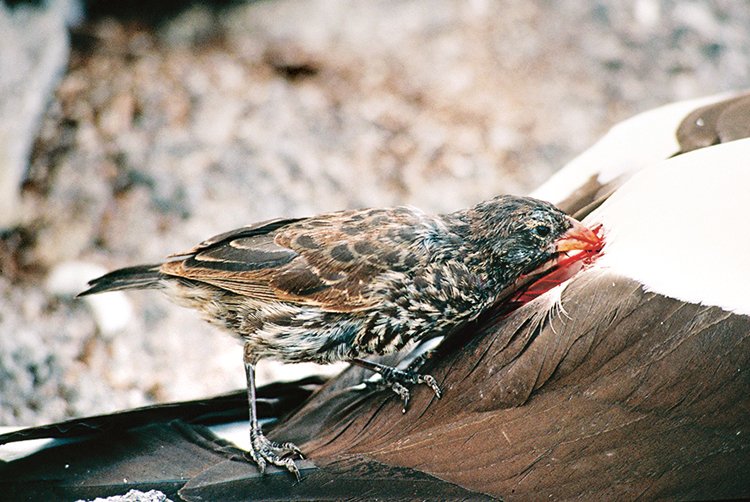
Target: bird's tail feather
{"x": 138, "y": 277}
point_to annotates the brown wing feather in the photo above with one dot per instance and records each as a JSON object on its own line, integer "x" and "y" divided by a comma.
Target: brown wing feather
{"x": 330, "y": 261}
{"x": 256, "y": 229}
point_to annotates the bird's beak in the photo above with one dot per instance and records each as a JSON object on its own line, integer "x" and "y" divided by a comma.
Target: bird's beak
{"x": 578, "y": 238}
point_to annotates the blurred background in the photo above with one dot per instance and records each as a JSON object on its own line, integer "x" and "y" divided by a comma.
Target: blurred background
{"x": 129, "y": 131}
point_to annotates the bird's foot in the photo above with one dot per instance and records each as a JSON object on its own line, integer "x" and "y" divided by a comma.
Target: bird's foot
{"x": 263, "y": 451}
{"x": 397, "y": 380}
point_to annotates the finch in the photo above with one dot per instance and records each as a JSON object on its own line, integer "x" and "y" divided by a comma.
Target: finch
{"x": 344, "y": 285}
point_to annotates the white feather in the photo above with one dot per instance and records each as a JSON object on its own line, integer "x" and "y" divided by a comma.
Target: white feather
{"x": 681, "y": 227}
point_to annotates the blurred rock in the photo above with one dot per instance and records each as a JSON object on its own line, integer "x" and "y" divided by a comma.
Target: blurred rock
{"x": 112, "y": 311}
{"x": 33, "y": 54}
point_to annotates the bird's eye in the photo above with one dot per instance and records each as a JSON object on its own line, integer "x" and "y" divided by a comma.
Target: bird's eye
{"x": 542, "y": 230}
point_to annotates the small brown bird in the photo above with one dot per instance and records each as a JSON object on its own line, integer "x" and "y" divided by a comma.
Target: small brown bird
{"x": 343, "y": 285}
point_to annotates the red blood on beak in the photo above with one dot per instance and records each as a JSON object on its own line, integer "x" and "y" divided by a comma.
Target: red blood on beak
{"x": 564, "y": 265}
{"x": 578, "y": 238}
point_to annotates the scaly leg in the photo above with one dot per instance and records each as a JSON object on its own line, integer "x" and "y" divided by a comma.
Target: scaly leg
{"x": 396, "y": 378}
{"x": 425, "y": 351}
{"x": 262, "y": 450}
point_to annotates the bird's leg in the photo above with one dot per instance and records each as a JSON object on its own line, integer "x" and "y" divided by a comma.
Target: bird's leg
{"x": 396, "y": 379}
{"x": 425, "y": 350}
{"x": 262, "y": 450}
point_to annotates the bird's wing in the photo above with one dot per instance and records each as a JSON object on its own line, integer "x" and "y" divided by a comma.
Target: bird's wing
{"x": 330, "y": 261}
{"x": 254, "y": 230}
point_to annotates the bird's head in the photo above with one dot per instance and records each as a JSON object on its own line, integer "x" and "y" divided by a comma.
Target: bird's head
{"x": 521, "y": 233}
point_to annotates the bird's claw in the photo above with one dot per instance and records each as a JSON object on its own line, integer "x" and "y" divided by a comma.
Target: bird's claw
{"x": 403, "y": 393}
{"x": 430, "y": 381}
{"x": 396, "y": 379}
{"x": 264, "y": 451}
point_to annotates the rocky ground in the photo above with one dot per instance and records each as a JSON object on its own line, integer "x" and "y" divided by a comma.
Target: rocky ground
{"x": 168, "y": 127}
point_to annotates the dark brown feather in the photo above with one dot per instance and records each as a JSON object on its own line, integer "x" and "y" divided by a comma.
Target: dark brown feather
{"x": 629, "y": 394}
